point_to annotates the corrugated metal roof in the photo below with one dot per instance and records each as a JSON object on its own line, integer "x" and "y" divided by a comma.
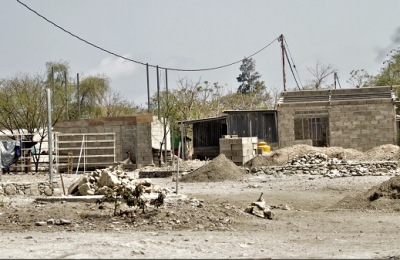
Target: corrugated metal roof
{"x": 251, "y": 111}
{"x": 202, "y": 120}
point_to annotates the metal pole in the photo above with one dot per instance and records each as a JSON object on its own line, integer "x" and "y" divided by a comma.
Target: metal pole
{"x": 172, "y": 143}
{"x": 79, "y": 95}
{"x": 148, "y": 88}
{"x": 66, "y": 95}
{"x": 158, "y": 94}
{"x": 50, "y": 135}
{"x": 177, "y": 169}
{"x": 165, "y": 119}
{"x": 283, "y": 62}
{"x": 52, "y": 78}
{"x": 183, "y": 142}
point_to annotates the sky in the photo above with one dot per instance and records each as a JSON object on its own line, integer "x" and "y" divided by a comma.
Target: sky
{"x": 196, "y": 35}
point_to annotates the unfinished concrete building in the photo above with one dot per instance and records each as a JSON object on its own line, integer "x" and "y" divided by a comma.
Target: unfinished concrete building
{"x": 360, "y": 118}
{"x": 103, "y": 141}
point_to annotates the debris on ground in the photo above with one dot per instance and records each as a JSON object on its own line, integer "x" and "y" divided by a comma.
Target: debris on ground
{"x": 100, "y": 181}
{"x": 260, "y": 208}
{"x": 383, "y": 197}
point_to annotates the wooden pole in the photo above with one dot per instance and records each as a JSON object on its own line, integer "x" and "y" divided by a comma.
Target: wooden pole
{"x": 283, "y": 62}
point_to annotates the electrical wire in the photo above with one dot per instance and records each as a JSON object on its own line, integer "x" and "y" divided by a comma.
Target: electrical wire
{"x": 337, "y": 78}
{"x": 139, "y": 62}
{"x": 290, "y": 66}
{"x": 287, "y": 47}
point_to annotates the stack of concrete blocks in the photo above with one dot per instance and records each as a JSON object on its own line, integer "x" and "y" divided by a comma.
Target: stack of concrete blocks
{"x": 238, "y": 149}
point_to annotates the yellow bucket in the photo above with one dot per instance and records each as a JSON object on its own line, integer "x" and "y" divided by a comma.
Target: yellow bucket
{"x": 263, "y": 146}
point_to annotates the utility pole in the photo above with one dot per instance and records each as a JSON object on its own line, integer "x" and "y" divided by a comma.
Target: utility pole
{"x": 166, "y": 119}
{"x": 281, "y": 39}
{"x": 148, "y": 88}
{"x": 66, "y": 93}
{"x": 334, "y": 79}
{"x": 158, "y": 94}
{"x": 79, "y": 95}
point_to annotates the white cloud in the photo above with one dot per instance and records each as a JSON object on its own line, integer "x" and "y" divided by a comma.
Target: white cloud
{"x": 114, "y": 67}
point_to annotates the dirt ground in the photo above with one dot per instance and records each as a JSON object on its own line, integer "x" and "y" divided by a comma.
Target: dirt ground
{"x": 315, "y": 217}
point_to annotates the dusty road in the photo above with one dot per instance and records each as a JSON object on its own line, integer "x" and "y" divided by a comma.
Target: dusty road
{"x": 211, "y": 223}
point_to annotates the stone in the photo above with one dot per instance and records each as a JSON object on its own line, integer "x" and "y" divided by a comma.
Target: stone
{"x": 268, "y": 213}
{"x": 85, "y": 189}
{"x": 27, "y": 191}
{"x": 64, "y": 221}
{"x": 10, "y": 189}
{"x": 40, "y": 223}
{"x": 258, "y": 212}
{"x": 48, "y": 191}
{"x": 73, "y": 188}
{"x": 50, "y": 221}
{"x": 102, "y": 190}
{"x": 57, "y": 192}
{"x": 108, "y": 179}
{"x": 259, "y": 204}
{"x": 34, "y": 189}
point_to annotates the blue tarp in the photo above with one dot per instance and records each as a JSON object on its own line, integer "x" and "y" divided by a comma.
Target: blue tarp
{"x": 10, "y": 151}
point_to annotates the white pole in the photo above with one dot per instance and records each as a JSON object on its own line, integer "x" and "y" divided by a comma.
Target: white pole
{"x": 177, "y": 165}
{"x": 50, "y": 135}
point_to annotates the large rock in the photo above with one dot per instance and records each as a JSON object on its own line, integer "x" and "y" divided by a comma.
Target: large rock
{"x": 34, "y": 189}
{"x": 86, "y": 189}
{"x": 108, "y": 179}
{"x": 10, "y": 189}
{"x": 74, "y": 186}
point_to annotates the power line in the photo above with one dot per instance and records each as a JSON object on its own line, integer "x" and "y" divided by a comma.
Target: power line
{"x": 287, "y": 47}
{"x": 290, "y": 66}
{"x": 139, "y": 62}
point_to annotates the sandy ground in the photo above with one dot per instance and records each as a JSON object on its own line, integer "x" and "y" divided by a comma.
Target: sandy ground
{"x": 210, "y": 224}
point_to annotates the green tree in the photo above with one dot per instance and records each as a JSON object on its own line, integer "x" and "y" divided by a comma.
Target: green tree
{"x": 389, "y": 75}
{"x": 23, "y": 109}
{"x": 249, "y": 77}
{"x": 360, "y": 78}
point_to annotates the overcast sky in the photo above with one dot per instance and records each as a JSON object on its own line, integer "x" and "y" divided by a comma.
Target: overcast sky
{"x": 186, "y": 34}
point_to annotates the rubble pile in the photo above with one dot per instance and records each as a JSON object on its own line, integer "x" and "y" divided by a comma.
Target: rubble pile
{"x": 321, "y": 164}
{"x": 100, "y": 181}
{"x": 260, "y": 208}
{"x": 44, "y": 188}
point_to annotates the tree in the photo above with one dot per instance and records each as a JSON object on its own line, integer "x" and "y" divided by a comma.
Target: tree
{"x": 249, "y": 77}
{"x": 92, "y": 92}
{"x": 390, "y": 72}
{"x": 360, "y": 78}
{"x": 23, "y": 109}
{"x": 114, "y": 105}
{"x": 320, "y": 73}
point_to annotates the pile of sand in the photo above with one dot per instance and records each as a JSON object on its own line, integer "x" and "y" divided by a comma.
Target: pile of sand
{"x": 219, "y": 169}
{"x": 383, "y": 197}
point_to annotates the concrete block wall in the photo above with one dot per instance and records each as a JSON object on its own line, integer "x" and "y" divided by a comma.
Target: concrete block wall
{"x": 357, "y": 124}
{"x": 286, "y": 130}
{"x": 363, "y": 127}
{"x": 131, "y": 133}
{"x": 238, "y": 150}
{"x": 157, "y": 134}
{"x": 143, "y": 149}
